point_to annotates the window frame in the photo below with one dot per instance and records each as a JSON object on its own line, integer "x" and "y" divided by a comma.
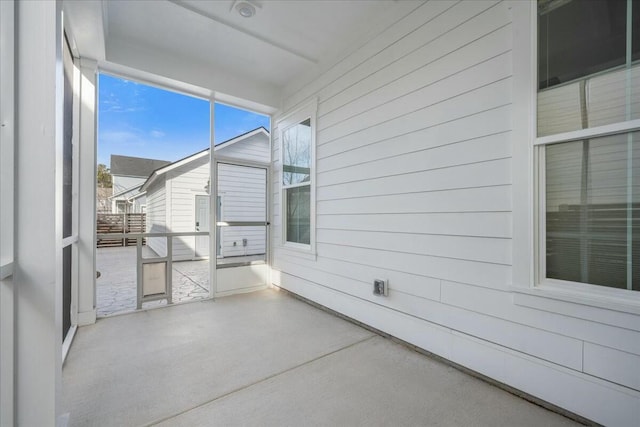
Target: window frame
{"x": 540, "y": 169}
{"x": 306, "y": 112}
{"x": 529, "y": 281}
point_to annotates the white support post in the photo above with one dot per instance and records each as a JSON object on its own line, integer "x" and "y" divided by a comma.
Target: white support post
{"x": 37, "y": 277}
{"x": 87, "y": 194}
{"x": 213, "y": 228}
{"x": 7, "y": 144}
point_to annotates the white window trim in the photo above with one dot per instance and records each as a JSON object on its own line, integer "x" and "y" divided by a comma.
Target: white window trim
{"x": 306, "y": 111}
{"x": 528, "y": 201}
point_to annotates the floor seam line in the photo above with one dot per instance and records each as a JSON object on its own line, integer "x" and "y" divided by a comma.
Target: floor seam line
{"x": 237, "y": 390}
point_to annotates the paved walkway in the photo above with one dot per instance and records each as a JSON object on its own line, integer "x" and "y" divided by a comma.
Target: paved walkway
{"x": 267, "y": 359}
{"x": 116, "y": 286}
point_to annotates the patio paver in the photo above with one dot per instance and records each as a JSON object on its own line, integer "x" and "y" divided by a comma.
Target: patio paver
{"x": 116, "y": 286}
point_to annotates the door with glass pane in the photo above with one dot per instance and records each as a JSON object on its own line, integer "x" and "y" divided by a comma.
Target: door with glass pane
{"x": 242, "y": 226}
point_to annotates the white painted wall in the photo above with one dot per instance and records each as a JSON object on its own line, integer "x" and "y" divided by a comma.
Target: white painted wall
{"x": 156, "y": 219}
{"x": 122, "y": 183}
{"x": 243, "y": 200}
{"x": 244, "y": 195}
{"x": 186, "y": 182}
{"x": 254, "y": 149}
{"x": 242, "y": 190}
{"x": 414, "y": 185}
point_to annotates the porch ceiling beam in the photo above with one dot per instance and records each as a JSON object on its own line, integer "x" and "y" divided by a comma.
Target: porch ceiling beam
{"x": 85, "y": 24}
{"x": 245, "y": 31}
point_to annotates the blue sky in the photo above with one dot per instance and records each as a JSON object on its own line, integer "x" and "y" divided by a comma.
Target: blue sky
{"x": 143, "y": 121}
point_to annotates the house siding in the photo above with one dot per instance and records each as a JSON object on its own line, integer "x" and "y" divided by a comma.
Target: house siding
{"x": 414, "y": 185}
{"x": 186, "y": 182}
{"x": 243, "y": 199}
{"x": 242, "y": 189}
{"x": 156, "y": 216}
{"x": 122, "y": 183}
{"x": 252, "y": 149}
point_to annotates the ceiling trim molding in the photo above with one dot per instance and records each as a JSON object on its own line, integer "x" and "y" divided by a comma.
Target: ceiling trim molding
{"x": 245, "y": 31}
{"x": 85, "y": 23}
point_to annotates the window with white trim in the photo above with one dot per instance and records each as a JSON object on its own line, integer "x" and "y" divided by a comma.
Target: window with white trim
{"x": 588, "y": 142}
{"x": 297, "y": 144}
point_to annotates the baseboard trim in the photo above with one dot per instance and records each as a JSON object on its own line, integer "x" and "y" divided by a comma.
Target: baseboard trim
{"x": 526, "y": 396}
{"x": 87, "y": 318}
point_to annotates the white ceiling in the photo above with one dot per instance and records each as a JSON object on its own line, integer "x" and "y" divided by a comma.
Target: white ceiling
{"x": 284, "y": 40}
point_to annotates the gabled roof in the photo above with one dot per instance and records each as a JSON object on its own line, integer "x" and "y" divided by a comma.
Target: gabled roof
{"x": 125, "y": 191}
{"x": 164, "y": 169}
{"x": 134, "y": 166}
{"x": 238, "y": 138}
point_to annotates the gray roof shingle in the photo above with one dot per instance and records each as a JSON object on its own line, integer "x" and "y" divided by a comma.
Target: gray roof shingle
{"x": 134, "y": 166}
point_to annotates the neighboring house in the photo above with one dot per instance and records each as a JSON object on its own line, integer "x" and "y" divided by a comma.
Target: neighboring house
{"x": 177, "y": 197}
{"x": 129, "y": 173}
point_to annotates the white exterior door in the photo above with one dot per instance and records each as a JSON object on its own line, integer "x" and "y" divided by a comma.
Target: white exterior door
{"x": 202, "y": 224}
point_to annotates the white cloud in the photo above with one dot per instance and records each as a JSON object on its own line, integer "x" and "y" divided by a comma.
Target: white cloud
{"x": 157, "y": 134}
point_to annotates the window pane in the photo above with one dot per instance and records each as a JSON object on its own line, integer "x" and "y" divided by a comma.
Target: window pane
{"x": 593, "y": 211}
{"x": 299, "y": 214}
{"x": 296, "y": 143}
{"x": 578, "y": 38}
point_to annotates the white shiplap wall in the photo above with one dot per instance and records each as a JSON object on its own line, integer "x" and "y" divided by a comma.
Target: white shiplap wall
{"x": 414, "y": 175}
{"x": 253, "y": 149}
{"x": 186, "y": 182}
{"x": 243, "y": 195}
{"x": 243, "y": 199}
{"x": 156, "y": 219}
{"x": 242, "y": 189}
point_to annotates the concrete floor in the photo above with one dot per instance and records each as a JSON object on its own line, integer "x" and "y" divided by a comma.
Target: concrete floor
{"x": 267, "y": 359}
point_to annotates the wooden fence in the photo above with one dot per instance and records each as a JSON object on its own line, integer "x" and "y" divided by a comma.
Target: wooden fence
{"x": 120, "y": 223}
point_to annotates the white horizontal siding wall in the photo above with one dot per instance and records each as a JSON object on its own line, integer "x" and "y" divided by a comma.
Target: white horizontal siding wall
{"x": 186, "y": 182}
{"x": 243, "y": 191}
{"x": 156, "y": 218}
{"x": 121, "y": 183}
{"x": 414, "y": 175}
{"x": 254, "y": 148}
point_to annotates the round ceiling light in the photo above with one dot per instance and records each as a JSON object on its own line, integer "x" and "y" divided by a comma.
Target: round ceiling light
{"x": 246, "y": 10}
